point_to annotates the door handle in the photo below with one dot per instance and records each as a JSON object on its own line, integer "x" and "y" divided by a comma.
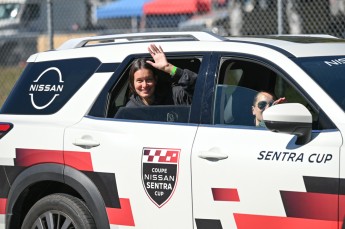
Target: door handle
{"x": 86, "y": 142}
{"x": 213, "y": 154}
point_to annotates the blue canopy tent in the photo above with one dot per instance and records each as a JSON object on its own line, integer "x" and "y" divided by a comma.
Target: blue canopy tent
{"x": 125, "y": 13}
{"x": 121, "y": 8}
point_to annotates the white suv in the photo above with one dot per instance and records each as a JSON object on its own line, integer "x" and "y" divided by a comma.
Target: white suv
{"x": 73, "y": 155}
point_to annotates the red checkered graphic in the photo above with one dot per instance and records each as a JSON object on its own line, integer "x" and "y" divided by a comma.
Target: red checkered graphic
{"x": 159, "y": 155}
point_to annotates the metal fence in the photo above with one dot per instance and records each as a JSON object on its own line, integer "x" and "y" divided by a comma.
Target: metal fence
{"x": 30, "y": 26}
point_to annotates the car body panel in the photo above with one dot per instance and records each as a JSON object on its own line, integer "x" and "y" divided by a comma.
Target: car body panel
{"x": 122, "y": 157}
{"x": 256, "y": 189}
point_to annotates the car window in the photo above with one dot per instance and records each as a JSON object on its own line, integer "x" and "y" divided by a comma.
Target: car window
{"x": 9, "y": 10}
{"x": 45, "y": 87}
{"x": 238, "y": 83}
{"x": 328, "y": 72}
{"x": 120, "y": 95}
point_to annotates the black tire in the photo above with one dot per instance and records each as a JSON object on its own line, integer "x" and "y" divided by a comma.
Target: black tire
{"x": 60, "y": 211}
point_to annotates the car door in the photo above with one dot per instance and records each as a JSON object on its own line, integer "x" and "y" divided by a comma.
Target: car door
{"x": 249, "y": 177}
{"x": 146, "y": 151}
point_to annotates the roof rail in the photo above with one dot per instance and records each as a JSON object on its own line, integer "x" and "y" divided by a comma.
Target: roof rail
{"x": 136, "y": 37}
{"x": 305, "y": 35}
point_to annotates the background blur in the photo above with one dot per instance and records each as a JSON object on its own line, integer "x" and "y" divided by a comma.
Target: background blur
{"x": 30, "y": 26}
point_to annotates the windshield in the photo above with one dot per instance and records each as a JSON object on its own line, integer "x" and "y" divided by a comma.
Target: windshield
{"x": 329, "y": 73}
{"x": 9, "y": 10}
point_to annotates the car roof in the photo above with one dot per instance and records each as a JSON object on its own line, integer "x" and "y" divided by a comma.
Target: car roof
{"x": 299, "y": 45}
{"x": 289, "y": 45}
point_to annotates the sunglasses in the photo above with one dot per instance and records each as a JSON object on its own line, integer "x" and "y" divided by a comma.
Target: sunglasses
{"x": 263, "y": 104}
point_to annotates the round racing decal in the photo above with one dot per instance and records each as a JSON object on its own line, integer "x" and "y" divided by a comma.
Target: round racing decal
{"x": 160, "y": 173}
{"x": 51, "y": 90}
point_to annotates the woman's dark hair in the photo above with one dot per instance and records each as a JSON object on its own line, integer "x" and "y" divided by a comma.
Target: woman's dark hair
{"x": 260, "y": 92}
{"x": 137, "y": 65}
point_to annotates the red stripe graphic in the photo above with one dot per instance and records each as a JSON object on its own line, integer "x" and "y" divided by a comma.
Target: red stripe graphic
{"x": 342, "y": 207}
{"x": 3, "y": 203}
{"x": 225, "y": 194}
{"x": 244, "y": 221}
{"x": 75, "y": 159}
{"x": 121, "y": 216}
{"x": 79, "y": 160}
{"x": 29, "y": 157}
{"x": 310, "y": 205}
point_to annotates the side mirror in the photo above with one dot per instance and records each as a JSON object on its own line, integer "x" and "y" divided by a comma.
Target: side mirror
{"x": 290, "y": 118}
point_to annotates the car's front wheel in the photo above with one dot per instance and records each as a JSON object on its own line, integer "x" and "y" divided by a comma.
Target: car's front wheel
{"x": 59, "y": 211}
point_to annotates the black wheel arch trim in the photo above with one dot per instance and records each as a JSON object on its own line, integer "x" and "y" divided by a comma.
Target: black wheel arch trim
{"x": 88, "y": 190}
{"x": 64, "y": 174}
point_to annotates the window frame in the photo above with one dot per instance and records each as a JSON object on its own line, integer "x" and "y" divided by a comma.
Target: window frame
{"x": 106, "y": 97}
{"x": 212, "y": 80}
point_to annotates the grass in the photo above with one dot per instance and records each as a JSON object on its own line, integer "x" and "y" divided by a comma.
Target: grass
{"x": 8, "y": 77}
